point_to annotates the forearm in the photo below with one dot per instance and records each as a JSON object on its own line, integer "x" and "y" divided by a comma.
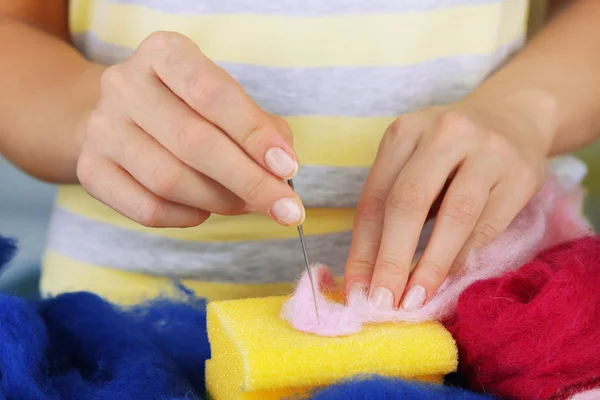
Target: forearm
{"x": 46, "y": 89}
{"x": 556, "y": 79}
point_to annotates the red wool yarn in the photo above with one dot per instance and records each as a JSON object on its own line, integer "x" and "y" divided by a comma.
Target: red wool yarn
{"x": 534, "y": 333}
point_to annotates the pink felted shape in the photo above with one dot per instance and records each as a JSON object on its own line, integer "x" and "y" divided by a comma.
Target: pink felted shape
{"x": 551, "y": 217}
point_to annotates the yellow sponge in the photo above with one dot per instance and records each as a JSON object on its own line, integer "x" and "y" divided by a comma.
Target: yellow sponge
{"x": 257, "y": 355}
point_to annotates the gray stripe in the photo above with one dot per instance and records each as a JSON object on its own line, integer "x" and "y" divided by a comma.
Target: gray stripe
{"x": 330, "y": 187}
{"x": 345, "y": 91}
{"x": 296, "y": 7}
{"x": 252, "y": 262}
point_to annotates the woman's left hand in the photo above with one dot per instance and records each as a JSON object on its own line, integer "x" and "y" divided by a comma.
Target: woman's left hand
{"x": 481, "y": 163}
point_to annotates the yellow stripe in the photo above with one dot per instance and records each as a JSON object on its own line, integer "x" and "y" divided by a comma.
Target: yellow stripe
{"x": 79, "y": 14}
{"x": 356, "y": 40}
{"x": 338, "y": 141}
{"x": 61, "y": 274}
{"x": 217, "y": 228}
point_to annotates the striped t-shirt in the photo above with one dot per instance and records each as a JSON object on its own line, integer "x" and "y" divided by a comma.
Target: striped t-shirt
{"x": 339, "y": 71}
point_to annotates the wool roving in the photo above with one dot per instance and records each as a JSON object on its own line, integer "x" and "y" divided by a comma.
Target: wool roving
{"x": 77, "y": 346}
{"x": 256, "y": 355}
{"x": 551, "y": 217}
{"x": 534, "y": 333}
{"x": 378, "y": 388}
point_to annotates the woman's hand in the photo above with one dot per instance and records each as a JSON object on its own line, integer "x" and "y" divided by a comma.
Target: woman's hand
{"x": 174, "y": 138}
{"x": 482, "y": 162}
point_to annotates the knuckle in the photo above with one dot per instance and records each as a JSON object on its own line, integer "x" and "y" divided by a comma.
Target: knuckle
{"x": 360, "y": 266}
{"x": 371, "y": 208}
{"x": 253, "y": 133}
{"x": 403, "y": 125}
{"x": 160, "y": 41}
{"x": 485, "y": 233}
{"x": 461, "y": 209}
{"x": 456, "y": 124}
{"x": 165, "y": 179}
{"x": 207, "y": 92}
{"x": 499, "y": 145}
{"x": 192, "y": 138}
{"x": 148, "y": 213}
{"x": 86, "y": 170}
{"x": 254, "y": 186}
{"x": 408, "y": 197}
{"x": 391, "y": 266}
{"x": 96, "y": 125}
{"x": 435, "y": 270}
{"x": 114, "y": 78}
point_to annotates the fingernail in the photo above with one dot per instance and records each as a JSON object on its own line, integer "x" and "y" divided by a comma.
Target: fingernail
{"x": 288, "y": 212}
{"x": 414, "y": 298}
{"x": 280, "y": 163}
{"x": 383, "y": 299}
{"x": 356, "y": 291}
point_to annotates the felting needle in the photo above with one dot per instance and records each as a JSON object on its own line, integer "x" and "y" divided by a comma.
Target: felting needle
{"x": 308, "y": 270}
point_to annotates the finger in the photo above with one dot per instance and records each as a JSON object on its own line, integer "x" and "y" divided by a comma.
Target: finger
{"x": 460, "y": 208}
{"x": 408, "y": 204}
{"x": 214, "y": 94}
{"x": 113, "y": 186}
{"x": 206, "y": 149}
{"x": 506, "y": 200}
{"x": 165, "y": 175}
{"x": 397, "y": 145}
{"x": 283, "y": 127}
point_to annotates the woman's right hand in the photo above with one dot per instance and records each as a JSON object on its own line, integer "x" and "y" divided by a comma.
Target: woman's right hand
{"x": 174, "y": 138}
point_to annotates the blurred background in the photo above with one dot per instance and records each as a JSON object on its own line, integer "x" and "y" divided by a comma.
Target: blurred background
{"x": 25, "y": 206}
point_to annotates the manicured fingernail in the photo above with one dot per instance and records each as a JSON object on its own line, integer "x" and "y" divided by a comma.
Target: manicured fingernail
{"x": 288, "y": 212}
{"x": 414, "y": 298}
{"x": 356, "y": 291}
{"x": 383, "y": 299}
{"x": 280, "y": 163}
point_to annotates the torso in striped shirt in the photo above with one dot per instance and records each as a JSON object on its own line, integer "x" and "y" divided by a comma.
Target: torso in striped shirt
{"x": 339, "y": 71}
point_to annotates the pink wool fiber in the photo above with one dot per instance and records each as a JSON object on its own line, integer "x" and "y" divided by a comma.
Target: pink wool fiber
{"x": 551, "y": 217}
{"x": 589, "y": 395}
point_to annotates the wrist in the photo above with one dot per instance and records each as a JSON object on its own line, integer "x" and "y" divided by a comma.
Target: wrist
{"x": 89, "y": 81}
{"x": 534, "y": 109}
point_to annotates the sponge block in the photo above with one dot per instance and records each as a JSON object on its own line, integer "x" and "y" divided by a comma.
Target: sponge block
{"x": 257, "y": 355}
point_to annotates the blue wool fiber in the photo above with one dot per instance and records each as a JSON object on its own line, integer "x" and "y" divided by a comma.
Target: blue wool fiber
{"x": 379, "y": 388}
{"x": 77, "y": 346}
{"x": 23, "y": 340}
{"x": 96, "y": 346}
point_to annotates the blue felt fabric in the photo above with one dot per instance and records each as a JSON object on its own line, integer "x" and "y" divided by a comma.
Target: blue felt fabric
{"x": 77, "y": 347}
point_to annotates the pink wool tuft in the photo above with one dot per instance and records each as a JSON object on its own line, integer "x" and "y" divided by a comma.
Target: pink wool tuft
{"x": 589, "y": 395}
{"x": 551, "y": 217}
{"x": 533, "y": 333}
